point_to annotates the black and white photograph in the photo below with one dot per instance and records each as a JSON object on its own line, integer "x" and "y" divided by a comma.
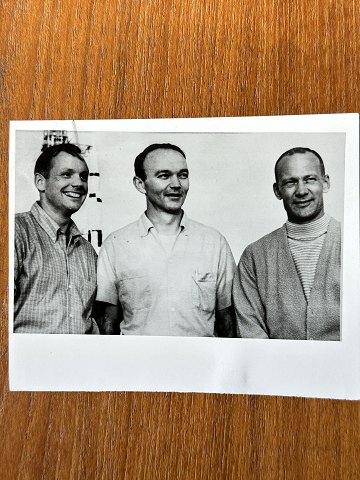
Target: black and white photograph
{"x": 185, "y": 255}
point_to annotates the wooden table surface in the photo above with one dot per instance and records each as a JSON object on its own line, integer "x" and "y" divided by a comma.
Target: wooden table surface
{"x": 96, "y": 59}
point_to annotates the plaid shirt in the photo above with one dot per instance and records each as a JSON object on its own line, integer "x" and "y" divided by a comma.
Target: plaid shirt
{"x": 55, "y": 283}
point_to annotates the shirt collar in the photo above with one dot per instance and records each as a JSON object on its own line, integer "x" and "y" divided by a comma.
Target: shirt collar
{"x": 145, "y": 225}
{"x": 185, "y": 224}
{"x": 308, "y": 231}
{"x": 49, "y": 225}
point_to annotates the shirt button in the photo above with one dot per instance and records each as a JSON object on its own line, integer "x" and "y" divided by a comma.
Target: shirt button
{"x": 69, "y": 287}
{"x": 71, "y": 316}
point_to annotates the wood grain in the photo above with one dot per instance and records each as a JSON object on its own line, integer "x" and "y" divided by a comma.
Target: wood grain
{"x": 144, "y": 59}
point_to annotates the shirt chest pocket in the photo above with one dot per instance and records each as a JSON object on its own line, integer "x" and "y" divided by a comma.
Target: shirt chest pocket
{"x": 204, "y": 291}
{"x": 134, "y": 291}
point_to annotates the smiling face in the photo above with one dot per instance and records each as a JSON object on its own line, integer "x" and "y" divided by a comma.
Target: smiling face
{"x": 166, "y": 181}
{"x": 64, "y": 190}
{"x": 300, "y": 185}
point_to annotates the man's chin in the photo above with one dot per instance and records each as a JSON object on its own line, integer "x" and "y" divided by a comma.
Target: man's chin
{"x": 174, "y": 206}
{"x": 304, "y": 217}
{"x": 73, "y": 208}
{"x": 174, "y": 210}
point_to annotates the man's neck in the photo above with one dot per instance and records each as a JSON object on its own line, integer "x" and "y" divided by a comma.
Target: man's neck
{"x": 58, "y": 218}
{"x": 164, "y": 222}
{"x": 293, "y": 222}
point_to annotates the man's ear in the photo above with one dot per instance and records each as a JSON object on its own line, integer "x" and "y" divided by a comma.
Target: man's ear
{"x": 326, "y": 183}
{"x": 39, "y": 181}
{"x": 277, "y": 191}
{"x": 139, "y": 185}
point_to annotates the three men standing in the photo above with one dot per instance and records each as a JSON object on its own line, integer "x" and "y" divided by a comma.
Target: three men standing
{"x": 288, "y": 282}
{"x": 165, "y": 274}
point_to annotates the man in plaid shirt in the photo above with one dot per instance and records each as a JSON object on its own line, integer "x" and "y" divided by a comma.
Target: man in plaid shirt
{"x": 54, "y": 266}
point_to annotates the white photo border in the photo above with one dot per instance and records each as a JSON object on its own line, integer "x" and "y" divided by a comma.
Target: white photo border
{"x": 247, "y": 366}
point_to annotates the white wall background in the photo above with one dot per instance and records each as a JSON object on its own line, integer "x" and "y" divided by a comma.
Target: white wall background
{"x": 231, "y": 177}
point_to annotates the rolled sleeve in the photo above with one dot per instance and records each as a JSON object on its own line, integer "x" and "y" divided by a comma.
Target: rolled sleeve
{"x": 106, "y": 277}
{"x": 226, "y": 271}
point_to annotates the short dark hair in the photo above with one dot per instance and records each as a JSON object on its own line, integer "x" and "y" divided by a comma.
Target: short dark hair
{"x": 139, "y": 160}
{"x": 295, "y": 150}
{"x": 44, "y": 162}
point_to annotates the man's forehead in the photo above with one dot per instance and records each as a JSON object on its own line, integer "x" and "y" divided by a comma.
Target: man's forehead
{"x": 65, "y": 160}
{"x": 299, "y": 163}
{"x": 164, "y": 159}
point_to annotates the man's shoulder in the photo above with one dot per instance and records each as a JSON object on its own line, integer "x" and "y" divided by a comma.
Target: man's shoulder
{"x": 205, "y": 230}
{"x": 128, "y": 232}
{"x": 23, "y": 221}
{"x": 22, "y": 217}
{"x": 335, "y": 225}
{"x": 266, "y": 243}
{"x": 270, "y": 238}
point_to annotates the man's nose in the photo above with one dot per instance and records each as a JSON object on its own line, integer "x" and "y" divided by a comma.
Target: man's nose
{"x": 77, "y": 180}
{"x": 301, "y": 188}
{"x": 175, "y": 182}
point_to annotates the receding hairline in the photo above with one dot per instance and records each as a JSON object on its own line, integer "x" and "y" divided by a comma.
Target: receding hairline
{"x": 140, "y": 159}
{"x": 164, "y": 149}
{"x": 149, "y": 158}
{"x": 298, "y": 151}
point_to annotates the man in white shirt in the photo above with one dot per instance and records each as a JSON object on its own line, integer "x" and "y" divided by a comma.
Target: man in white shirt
{"x": 165, "y": 274}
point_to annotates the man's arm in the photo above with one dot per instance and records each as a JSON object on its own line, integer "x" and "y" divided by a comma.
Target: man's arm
{"x": 249, "y": 309}
{"x": 17, "y": 258}
{"x": 225, "y": 322}
{"x": 108, "y": 317}
{"x": 108, "y": 309}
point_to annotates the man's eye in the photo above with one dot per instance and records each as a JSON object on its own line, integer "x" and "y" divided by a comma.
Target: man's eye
{"x": 311, "y": 180}
{"x": 163, "y": 176}
{"x": 183, "y": 176}
{"x": 66, "y": 175}
{"x": 84, "y": 178}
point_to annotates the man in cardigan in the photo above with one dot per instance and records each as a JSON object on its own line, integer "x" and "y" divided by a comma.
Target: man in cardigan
{"x": 289, "y": 281}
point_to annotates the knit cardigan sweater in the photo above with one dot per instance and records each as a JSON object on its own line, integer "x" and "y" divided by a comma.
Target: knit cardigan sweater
{"x": 268, "y": 296}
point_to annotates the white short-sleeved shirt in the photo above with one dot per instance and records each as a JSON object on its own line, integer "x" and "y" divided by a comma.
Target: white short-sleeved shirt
{"x": 162, "y": 294}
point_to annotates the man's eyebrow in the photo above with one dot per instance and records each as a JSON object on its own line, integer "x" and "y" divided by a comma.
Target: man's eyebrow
{"x": 72, "y": 170}
{"x": 285, "y": 179}
{"x": 290, "y": 178}
{"x": 158, "y": 172}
